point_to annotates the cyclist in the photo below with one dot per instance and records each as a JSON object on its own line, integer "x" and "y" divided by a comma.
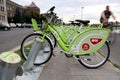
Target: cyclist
{"x": 104, "y": 20}
{"x": 105, "y": 16}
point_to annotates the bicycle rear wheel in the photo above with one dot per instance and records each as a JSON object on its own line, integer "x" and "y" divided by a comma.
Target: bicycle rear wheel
{"x": 97, "y": 59}
{"x": 44, "y": 53}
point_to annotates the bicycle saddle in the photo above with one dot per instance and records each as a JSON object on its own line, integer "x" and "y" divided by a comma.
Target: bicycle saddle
{"x": 71, "y": 21}
{"x": 85, "y": 22}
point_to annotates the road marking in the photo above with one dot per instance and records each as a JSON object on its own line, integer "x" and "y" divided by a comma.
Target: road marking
{"x": 15, "y": 49}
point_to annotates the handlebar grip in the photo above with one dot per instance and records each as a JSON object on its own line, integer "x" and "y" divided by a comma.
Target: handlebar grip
{"x": 51, "y": 9}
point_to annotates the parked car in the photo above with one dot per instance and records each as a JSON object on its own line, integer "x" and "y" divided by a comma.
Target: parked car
{"x": 18, "y": 25}
{"x": 12, "y": 25}
{"x": 26, "y": 25}
{"x": 5, "y": 26}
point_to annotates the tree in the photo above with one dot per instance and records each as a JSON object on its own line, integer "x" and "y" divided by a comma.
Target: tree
{"x": 10, "y": 19}
{"x": 43, "y": 18}
{"x": 35, "y": 15}
{"x": 17, "y": 18}
{"x": 27, "y": 18}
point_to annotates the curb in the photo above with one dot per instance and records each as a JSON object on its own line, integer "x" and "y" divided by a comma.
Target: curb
{"x": 15, "y": 49}
{"x": 114, "y": 64}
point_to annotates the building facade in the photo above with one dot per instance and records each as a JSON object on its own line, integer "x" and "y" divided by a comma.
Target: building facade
{"x": 12, "y": 7}
{"x": 32, "y": 8}
{"x": 3, "y": 12}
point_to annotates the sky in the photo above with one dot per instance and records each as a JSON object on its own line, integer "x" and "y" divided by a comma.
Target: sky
{"x": 76, "y": 9}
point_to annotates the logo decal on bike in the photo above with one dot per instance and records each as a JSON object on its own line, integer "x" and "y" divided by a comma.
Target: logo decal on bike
{"x": 85, "y": 46}
{"x": 95, "y": 40}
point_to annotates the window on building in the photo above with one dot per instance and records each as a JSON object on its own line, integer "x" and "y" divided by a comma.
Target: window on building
{"x": 0, "y": 17}
{"x": 8, "y": 8}
{"x": 1, "y": 1}
{"x": 2, "y": 9}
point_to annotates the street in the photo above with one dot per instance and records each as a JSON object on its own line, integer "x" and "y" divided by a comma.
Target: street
{"x": 13, "y": 38}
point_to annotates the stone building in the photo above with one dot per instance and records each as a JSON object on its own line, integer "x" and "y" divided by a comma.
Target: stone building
{"x": 3, "y": 12}
{"x": 32, "y": 8}
{"x": 12, "y": 7}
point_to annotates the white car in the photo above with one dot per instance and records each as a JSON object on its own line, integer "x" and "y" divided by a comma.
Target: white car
{"x": 12, "y": 25}
{"x": 26, "y": 25}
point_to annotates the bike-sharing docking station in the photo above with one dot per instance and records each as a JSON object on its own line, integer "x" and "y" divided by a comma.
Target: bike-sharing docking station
{"x": 10, "y": 68}
{"x": 32, "y": 55}
{"x": 32, "y": 72}
{"x": 9, "y": 63}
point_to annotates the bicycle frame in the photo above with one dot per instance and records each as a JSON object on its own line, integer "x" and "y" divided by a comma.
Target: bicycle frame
{"x": 87, "y": 41}
{"x": 85, "y": 44}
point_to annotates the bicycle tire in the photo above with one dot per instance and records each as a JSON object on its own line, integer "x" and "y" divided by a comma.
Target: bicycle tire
{"x": 53, "y": 40}
{"x": 26, "y": 46}
{"x": 83, "y": 59}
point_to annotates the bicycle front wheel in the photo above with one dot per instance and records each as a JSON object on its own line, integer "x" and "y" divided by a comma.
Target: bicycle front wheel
{"x": 52, "y": 39}
{"x": 97, "y": 59}
{"x": 30, "y": 43}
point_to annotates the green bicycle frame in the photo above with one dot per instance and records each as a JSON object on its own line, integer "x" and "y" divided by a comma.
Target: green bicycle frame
{"x": 88, "y": 41}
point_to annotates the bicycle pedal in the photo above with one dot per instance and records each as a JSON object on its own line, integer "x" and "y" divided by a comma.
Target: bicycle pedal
{"x": 61, "y": 52}
{"x": 109, "y": 42}
{"x": 68, "y": 55}
{"x": 88, "y": 59}
{"x": 46, "y": 50}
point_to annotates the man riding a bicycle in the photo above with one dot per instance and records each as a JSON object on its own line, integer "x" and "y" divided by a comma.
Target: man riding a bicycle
{"x": 105, "y": 16}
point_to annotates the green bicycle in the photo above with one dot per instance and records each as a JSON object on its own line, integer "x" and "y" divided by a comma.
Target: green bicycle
{"x": 89, "y": 46}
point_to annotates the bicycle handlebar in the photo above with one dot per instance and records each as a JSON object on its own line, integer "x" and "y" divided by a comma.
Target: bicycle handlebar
{"x": 51, "y": 12}
{"x": 51, "y": 9}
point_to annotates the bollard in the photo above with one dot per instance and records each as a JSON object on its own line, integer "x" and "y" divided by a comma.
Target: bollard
{"x": 32, "y": 55}
{"x": 8, "y": 65}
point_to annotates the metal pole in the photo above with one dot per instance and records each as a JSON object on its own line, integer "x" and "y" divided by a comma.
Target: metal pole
{"x": 32, "y": 55}
{"x": 82, "y": 12}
